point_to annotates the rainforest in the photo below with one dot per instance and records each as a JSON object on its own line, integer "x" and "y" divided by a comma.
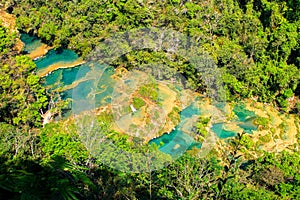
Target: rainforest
{"x": 148, "y": 99}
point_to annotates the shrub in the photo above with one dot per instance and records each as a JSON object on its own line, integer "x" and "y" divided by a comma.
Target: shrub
{"x": 265, "y": 138}
{"x": 262, "y": 122}
{"x": 138, "y": 102}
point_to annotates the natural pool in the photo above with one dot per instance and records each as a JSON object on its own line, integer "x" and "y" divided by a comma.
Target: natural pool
{"x": 31, "y": 43}
{"x": 87, "y": 90}
{"x": 245, "y": 118}
{"x": 56, "y": 56}
{"x": 177, "y": 141}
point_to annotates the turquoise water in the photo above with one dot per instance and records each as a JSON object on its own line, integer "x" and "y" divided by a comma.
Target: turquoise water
{"x": 105, "y": 87}
{"x": 177, "y": 142}
{"x": 52, "y": 57}
{"x": 218, "y": 129}
{"x": 245, "y": 121}
{"x": 86, "y": 95}
{"x": 97, "y": 91}
{"x": 75, "y": 73}
{"x": 53, "y": 78}
{"x": 189, "y": 112}
{"x": 242, "y": 113}
{"x": 31, "y": 42}
{"x": 55, "y": 56}
{"x": 245, "y": 118}
{"x": 63, "y": 77}
{"x": 248, "y": 125}
{"x": 82, "y": 100}
{"x": 82, "y": 90}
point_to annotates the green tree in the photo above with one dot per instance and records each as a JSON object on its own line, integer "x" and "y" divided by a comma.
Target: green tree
{"x": 22, "y": 95}
{"x": 7, "y": 41}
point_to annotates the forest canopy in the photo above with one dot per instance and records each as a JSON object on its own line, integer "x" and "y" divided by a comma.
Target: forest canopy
{"x": 254, "y": 43}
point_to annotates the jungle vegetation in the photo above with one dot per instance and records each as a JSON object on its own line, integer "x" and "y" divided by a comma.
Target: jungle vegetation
{"x": 255, "y": 43}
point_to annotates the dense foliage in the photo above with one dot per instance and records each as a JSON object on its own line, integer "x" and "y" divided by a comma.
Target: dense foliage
{"x": 56, "y": 165}
{"x": 21, "y": 94}
{"x": 254, "y": 42}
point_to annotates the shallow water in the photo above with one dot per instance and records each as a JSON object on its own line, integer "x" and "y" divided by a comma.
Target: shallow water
{"x": 220, "y": 132}
{"x": 168, "y": 142}
{"x": 31, "y": 43}
{"x": 245, "y": 118}
{"x": 53, "y": 78}
{"x": 248, "y": 127}
{"x": 91, "y": 86}
{"x": 55, "y": 56}
{"x": 73, "y": 74}
{"x": 242, "y": 113}
{"x": 189, "y": 111}
{"x": 105, "y": 87}
{"x": 177, "y": 142}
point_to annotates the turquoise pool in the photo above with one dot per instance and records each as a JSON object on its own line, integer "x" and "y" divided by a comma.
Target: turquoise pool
{"x": 177, "y": 142}
{"x": 92, "y": 86}
{"x": 31, "y": 43}
{"x": 54, "y": 57}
